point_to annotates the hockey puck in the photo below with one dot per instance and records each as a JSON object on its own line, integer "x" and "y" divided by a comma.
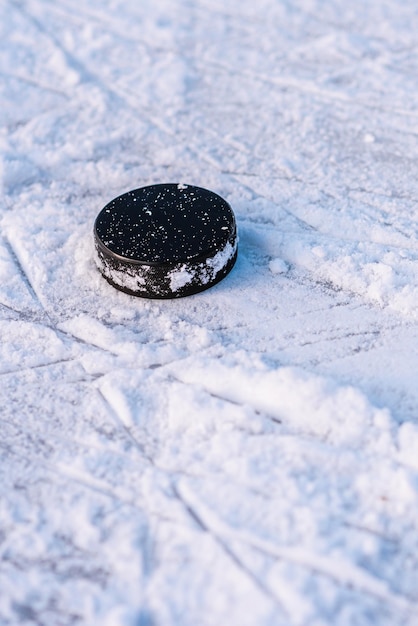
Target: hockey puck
{"x": 165, "y": 241}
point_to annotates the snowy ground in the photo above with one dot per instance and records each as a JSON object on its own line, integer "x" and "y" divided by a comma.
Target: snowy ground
{"x": 247, "y": 456}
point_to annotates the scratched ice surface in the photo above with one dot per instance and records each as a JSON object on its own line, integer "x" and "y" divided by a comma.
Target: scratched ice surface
{"x": 249, "y": 455}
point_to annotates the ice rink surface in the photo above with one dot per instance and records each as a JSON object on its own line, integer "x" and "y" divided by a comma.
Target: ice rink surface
{"x": 247, "y": 456}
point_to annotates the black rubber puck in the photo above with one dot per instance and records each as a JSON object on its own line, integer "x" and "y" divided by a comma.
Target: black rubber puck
{"x": 165, "y": 241}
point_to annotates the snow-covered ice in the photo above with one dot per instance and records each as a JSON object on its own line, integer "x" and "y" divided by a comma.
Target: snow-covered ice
{"x": 248, "y": 455}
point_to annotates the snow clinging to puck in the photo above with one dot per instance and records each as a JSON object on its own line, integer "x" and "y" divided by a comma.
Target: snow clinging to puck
{"x": 165, "y": 241}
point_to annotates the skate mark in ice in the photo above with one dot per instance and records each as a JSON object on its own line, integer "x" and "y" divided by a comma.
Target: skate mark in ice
{"x": 69, "y": 335}
{"x": 69, "y": 474}
{"x": 226, "y": 549}
{"x": 36, "y": 83}
{"x": 303, "y": 224}
{"x": 21, "y": 372}
{"x": 342, "y": 573}
{"x": 373, "y": 334}
{"x": 76, "y": 444}
{"x": 25, "y": 613}
{"x": 66, "y": 11}
{"x": 22, "y": 270}
{"x": 371, "y": 531}
{"x": 93, "y": 484}
{"x": 278, "y": 239}
{"x": 120, "y": 423}
{"x": 308, "y": 87}
{"x": 27, "y": 315}
{"x": 223, "y": 398}
{"x": 238, "y": 148}
{"x": 117, "y": 94}
{"x": 71, "y": 60}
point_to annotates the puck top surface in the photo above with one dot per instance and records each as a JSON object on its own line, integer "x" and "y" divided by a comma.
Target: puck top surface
{"x": 164, "y": 224}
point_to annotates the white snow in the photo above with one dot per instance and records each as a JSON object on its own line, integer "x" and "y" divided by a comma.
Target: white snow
{"x": 180, "y": 277}
{"x": 248, "y": 455}
{"x": 206, "y": 271}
